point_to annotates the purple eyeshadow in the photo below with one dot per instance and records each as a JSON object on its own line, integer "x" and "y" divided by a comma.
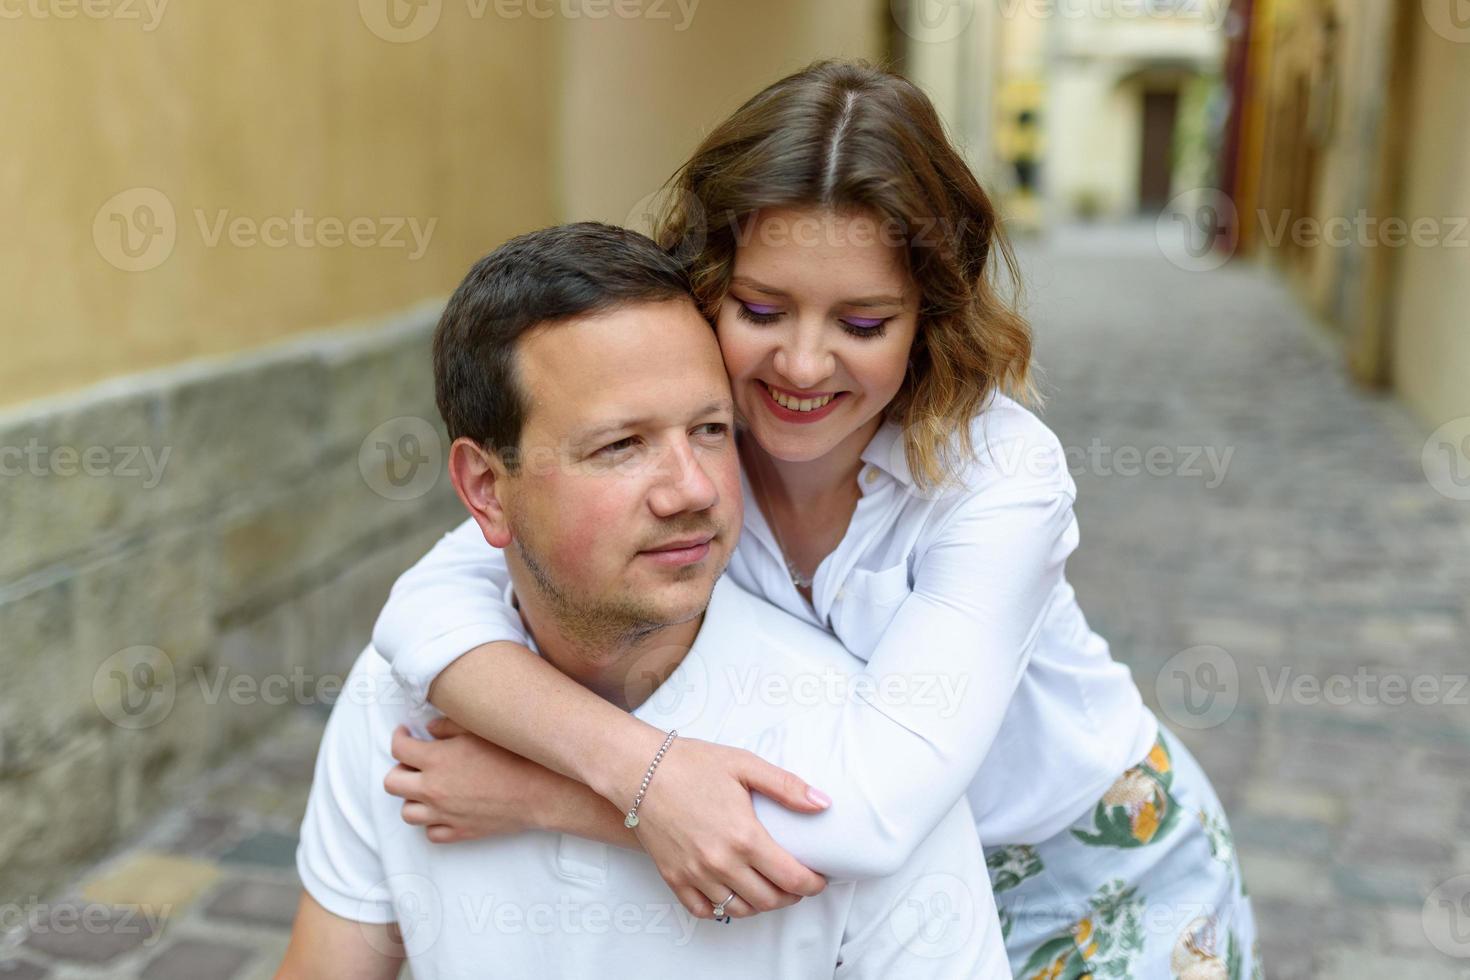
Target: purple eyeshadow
{"x": 865, "y": 323}
{"x": 760, "y": 309}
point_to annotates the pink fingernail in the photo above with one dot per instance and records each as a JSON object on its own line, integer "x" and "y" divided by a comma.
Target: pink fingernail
{"x": 818, "y": 797}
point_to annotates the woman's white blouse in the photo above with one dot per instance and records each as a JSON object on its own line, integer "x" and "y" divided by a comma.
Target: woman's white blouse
{"x": 982, "y": 676}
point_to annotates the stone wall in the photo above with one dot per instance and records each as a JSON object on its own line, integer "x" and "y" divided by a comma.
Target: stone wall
{"x": 187, "y": 555}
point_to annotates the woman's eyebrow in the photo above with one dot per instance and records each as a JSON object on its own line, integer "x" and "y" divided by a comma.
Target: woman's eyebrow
{"x": 761, "y": 287}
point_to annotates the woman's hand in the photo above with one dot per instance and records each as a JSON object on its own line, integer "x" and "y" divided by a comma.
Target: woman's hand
{"x": 698, "y": 825}
{"x": 462, "y": 787}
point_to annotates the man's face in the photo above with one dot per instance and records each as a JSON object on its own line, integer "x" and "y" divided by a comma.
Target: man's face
{"x": 626, "y": 505}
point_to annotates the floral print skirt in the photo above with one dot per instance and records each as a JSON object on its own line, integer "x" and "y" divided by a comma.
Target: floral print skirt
{"x": 1145, "y": 886}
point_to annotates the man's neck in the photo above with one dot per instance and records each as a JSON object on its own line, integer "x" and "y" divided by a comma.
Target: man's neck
{"x": 624, "y": 669}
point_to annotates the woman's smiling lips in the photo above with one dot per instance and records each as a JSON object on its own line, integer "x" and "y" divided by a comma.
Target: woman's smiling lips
{"x": 792, "y": 411}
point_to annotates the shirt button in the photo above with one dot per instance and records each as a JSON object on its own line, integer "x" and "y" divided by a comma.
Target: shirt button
{"x": 872, "y": 476}
{"x": 841, "y": 594}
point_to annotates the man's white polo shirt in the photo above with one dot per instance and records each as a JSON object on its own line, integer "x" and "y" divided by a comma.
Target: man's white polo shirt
{"x": 544, "y": 905}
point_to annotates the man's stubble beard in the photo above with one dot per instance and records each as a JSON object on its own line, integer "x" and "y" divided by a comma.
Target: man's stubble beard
{"x": 600, "y": 626}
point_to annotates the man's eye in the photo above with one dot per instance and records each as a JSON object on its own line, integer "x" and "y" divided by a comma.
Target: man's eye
{"x": 619, "y": 446}
{"x": 715, "y": 428}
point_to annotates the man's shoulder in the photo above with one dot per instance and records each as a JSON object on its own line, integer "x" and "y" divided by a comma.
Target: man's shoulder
{"x": 739, "y": 620}
{"x": 370, "y": 694}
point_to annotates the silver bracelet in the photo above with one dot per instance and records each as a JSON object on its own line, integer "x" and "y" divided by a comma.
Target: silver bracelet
{"x": 631, "y": 820}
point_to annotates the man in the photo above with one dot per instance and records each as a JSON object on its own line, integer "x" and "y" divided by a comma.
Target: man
{"x": 617, "y": 480}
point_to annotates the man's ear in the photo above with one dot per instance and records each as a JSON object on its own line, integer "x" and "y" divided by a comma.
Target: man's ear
{"x": 479, "y": 478}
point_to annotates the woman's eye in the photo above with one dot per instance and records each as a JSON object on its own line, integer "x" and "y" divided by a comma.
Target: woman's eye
{"x": 861, "y": 326}
{"x": 758, "y": 312}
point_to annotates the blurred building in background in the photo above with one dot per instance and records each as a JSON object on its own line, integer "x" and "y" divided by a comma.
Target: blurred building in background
{"x": 1347, "y": 167}
{"x": 1103, "y": 109}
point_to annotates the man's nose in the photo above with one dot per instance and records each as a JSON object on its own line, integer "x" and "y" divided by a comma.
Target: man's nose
{"x": 804, "y": 358}
{"x": 682, "y": 484}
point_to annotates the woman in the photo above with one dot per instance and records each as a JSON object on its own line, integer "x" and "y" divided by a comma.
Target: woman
{"x": 899, "y": 495}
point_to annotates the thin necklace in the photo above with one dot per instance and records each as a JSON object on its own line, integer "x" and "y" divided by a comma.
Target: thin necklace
{"x": 762, "y": 498}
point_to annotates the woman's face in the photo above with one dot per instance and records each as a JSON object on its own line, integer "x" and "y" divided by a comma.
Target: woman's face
{"x": 816, "y": 329}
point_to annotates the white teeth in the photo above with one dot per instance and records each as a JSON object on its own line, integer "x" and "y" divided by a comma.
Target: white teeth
{"x": 798, "y": 405}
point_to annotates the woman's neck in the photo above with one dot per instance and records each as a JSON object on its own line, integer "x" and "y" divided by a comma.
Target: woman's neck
{"x": 809, "y": 485}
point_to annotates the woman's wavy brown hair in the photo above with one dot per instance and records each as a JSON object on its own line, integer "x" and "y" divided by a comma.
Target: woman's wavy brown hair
{"x": 848, "y": 136}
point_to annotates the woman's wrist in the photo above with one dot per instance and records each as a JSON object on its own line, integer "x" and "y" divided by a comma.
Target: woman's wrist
{"x": 617, "y": 771}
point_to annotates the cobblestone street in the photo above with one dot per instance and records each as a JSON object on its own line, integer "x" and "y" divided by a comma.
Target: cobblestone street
{"x": 1261, "y": 546}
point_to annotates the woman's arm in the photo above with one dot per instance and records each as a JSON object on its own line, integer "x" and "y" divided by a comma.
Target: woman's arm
{"x": 902, "y": 748}
{"x": 453, "y": 600}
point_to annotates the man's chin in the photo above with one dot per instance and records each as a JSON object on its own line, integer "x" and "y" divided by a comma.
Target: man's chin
{"x": 674, "y": 603}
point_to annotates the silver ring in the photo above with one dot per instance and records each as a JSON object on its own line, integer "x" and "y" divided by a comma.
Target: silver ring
{"x": 720, "y": 909}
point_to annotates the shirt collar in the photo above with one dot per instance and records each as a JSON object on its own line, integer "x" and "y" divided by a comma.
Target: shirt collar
{"x": 885, "y": 451}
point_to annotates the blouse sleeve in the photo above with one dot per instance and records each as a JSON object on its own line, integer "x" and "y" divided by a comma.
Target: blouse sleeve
{"x": 893, "y": 756}
{"x": 448, "y": 604}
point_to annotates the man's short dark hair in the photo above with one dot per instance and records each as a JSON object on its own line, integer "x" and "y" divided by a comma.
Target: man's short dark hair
{"x": 538, "y": 278}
